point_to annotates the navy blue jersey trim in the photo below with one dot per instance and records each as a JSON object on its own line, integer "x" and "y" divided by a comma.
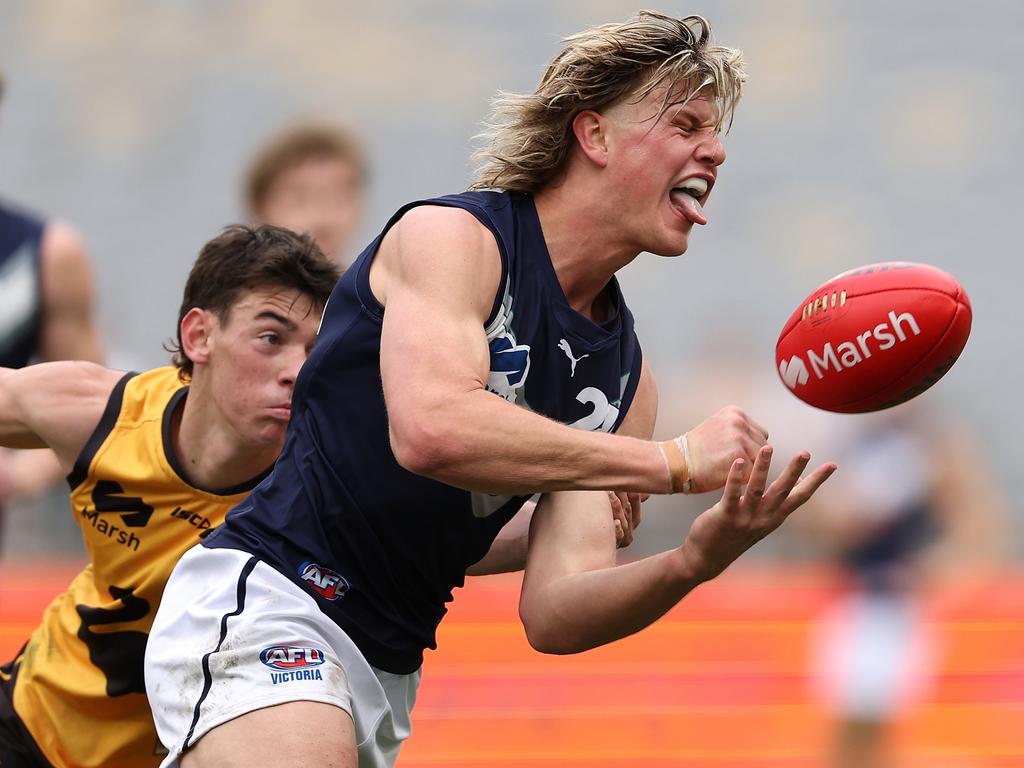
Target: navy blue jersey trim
{"x": 107, "y": 421}
{"x": 369, "y": 301}
{"x": 207, "y": 676}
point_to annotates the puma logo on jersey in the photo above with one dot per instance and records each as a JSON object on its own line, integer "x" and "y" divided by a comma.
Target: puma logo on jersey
{"x": 564, "y": 346}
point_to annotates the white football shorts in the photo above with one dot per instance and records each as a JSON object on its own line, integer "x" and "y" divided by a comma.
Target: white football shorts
{"x": 874, "y": 656}
{"x": 233, "y": 635}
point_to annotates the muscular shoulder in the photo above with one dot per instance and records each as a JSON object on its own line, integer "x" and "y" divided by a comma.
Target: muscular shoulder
{"x": 446, "y": 233}
{"x": 435, "y": 245}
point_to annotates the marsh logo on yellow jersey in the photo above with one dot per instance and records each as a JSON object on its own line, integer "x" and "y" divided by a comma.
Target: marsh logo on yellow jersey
{"x": 134, "y": 513}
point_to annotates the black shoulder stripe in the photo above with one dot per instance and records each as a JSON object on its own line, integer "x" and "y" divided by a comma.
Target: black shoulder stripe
{"x": 106, "y": 424}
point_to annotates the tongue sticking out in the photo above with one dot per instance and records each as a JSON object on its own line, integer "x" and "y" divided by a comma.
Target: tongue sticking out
{"x": 689, "y": 205}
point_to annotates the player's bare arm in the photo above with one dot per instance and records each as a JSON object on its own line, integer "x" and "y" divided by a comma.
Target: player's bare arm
{"x": 575, "y": 597}
{"x": 509, "y": 550}
{"x": 69, "y": 327}
{"x": 55, "y": 405}
{"x": 437, "y": 273}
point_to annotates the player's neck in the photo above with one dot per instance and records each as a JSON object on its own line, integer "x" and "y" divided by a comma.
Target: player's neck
{"x": 581, "y": 245}
{"x": 214, "y": 455}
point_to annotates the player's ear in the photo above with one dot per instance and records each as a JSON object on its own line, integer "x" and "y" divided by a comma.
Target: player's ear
{"x": 196, "y": 326}
{"x": 591, "y": 131}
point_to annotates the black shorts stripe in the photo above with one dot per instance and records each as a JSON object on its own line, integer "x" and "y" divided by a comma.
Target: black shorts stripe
{"x": 207, "y": 677}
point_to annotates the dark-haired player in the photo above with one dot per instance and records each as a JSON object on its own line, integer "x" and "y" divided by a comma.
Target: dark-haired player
{"x": 154, "y": 461}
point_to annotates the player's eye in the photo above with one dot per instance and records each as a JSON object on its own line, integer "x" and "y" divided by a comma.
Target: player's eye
{"x": 271, "y": 338}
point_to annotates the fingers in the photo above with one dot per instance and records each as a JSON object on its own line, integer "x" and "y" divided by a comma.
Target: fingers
{"x": 757, "y": 432}
{"x": 621, "y": 514}
{"x": 785, "y": 482}
{"x": 759, "y": 474}
{"x": 635, "y": 501}
{"x": 734, "y": 484}
{"x": 805, "y": 488}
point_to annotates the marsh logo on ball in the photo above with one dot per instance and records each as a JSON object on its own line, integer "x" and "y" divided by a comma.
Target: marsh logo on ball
{"x": 847, "y": 354}
{"x": 793, "y": 372}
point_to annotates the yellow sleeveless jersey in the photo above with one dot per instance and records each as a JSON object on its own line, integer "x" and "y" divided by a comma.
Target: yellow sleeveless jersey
{"x": 79, "y": 687}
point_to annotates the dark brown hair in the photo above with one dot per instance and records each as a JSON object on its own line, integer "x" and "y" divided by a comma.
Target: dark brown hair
{"x": 243, "y": 258}
{"x": 294, "y": 146}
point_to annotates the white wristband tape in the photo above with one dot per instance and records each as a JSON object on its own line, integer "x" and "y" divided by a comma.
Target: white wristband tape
{"x": 668, "y": 466}
{"x": 684, "y": 447}
{"x": 676, "y": 455}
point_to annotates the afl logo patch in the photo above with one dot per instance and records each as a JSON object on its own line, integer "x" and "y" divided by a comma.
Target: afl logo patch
{"x": 327, "y": 583}
{"x": 291, "y": 657}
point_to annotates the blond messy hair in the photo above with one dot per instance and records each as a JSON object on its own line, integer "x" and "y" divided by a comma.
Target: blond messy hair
{"x": 528, "y": 137}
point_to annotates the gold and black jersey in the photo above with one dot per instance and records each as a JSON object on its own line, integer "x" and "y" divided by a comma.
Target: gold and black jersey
{"x": 79, "y": 687}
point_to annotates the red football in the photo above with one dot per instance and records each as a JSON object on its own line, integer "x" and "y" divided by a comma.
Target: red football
{"x": 874, "y": 337}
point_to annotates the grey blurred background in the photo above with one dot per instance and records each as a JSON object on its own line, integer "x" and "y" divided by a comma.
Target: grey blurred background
{"x": 869, "y": 131}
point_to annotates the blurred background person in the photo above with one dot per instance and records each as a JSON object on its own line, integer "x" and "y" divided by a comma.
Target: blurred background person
{"x": 310, "y": 178}
{"x": 916, "y": 508}
{"x": 47, "y": 313}
{"x": 915, "y": 514}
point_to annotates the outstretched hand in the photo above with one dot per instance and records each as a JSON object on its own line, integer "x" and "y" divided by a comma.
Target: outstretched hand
{"x": 744, "y": 516}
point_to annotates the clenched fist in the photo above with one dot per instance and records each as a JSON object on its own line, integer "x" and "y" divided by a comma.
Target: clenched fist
{"x": 700, "y": 460}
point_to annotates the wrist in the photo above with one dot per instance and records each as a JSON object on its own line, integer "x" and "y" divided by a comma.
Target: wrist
{"x": 685, "y": 572}
{"x": 676, "y": 455}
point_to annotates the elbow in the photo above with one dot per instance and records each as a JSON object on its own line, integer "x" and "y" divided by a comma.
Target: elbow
{"x": 545, "y": 642}
{"x": 545, "y": 636}
{"x": 423, "y": 446}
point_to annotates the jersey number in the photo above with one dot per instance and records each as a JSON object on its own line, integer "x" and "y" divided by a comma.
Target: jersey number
{"x": 604, "y": 415}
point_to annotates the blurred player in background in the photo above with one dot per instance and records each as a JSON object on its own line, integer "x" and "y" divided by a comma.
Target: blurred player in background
{"x": 154, "y": 460}
{"x": 310, "y": 178}
{"x": 477, "y": 352}
{"x": 915, "y": 508}
{"x": 46, "y": 313}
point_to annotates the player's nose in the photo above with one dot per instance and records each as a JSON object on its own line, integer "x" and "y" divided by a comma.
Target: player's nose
{"x": 711, "y": 151}
{"x": 291, "y": 365}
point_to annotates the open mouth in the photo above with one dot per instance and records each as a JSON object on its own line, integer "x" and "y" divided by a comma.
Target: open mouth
{"x": 687, "y": 197}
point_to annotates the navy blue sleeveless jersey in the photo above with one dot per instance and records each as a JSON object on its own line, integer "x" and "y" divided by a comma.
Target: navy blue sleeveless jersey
{"x": 20, "y": 288}
{"x": 378, "y": 547}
